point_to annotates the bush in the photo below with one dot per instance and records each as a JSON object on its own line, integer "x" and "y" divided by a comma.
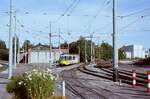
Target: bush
{"x": 32, "y": 85}
{"x": 3, "y": 54}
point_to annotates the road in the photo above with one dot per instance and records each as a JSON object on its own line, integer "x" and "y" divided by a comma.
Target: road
{"x": 80, "y": 85}
{"x": 79, "y": 88}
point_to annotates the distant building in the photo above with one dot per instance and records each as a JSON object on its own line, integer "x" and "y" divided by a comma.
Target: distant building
{"x": 147, "y": 53}
{"x": 134, "y": 51}
{"x": 41, "y": 54}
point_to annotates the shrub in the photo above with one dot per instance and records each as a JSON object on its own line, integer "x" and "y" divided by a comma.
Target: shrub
{"x": 32, "y": 85}
{"x": 4, "y": 54}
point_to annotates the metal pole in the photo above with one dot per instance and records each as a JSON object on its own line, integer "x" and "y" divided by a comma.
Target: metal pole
{"x": 68, "y": 47}
{"x": 115, "y": 50}
{"x": 15, "y": 51}
{"x": 85, "y": 52}
{"x": 68, "y": 28}
{"x": 15, "y": 45}
{"x": 50, "y": 47}
{"x": 94, "y": 53}
{"x": 68, "y": 42}
{"x": 99, "y": 50}
{"x": 79, "y": 51}
{"x": 18, "y": 55}
{"x": 10, "y": 41}
{"x": 91, "y": 49}
{"x": 63, "y": 86}
{"x": 38, "y": 58}
{"x": 26, "y": 53}
{"x": 59, "y": 43}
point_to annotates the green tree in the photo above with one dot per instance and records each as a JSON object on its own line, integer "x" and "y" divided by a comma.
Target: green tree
{"x": 121, "y": 54}
{"x": 27, "y": 44}
{"x": 73, "y": 48}
{"x": 104, "y": 51}
{"x": 78, "y": 47}
{"x": 64, "y": 45}
{"x": 2, "y": 45}
{"x": 3, "y": 51}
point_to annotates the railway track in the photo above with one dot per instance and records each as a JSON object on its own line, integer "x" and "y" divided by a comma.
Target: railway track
{"x": 124, "y": 75}
{"x": 77, "y": 87}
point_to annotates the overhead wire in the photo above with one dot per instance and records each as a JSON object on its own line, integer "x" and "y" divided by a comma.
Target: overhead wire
{"x": 74, "y": 7}
{"x": 133, "y": 22}
{"x": 103, "y": 27}
{"x": 134, "y": 13}
{"x": 88, "y": 25}
{"x": 38, "y": 36}
{"x": 68, "y": 8}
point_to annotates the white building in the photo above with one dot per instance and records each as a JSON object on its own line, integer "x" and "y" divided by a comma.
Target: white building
{"x": 41, "y": 54}
{"x": 134, "y": 51}
{"x": 147, "y": 52}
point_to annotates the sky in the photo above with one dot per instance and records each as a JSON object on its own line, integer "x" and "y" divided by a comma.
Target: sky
{"x": 79, "y": 18}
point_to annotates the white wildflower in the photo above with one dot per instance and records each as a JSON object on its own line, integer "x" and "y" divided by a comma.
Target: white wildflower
{"x": 44, "y": 75}
{"x": 52, "y": 77}
{"x": 20, "y": 83}
{"x": 35, "y": 70}
{"x": 29, "y": 77}
{"x": 24, "y": 84}
{"x": 49, "y": 70}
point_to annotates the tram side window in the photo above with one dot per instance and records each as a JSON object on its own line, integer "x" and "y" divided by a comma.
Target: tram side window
{"x": 70, "y": 58}
{"x": 73, "y": 57}
{"x": 65, "y": 57}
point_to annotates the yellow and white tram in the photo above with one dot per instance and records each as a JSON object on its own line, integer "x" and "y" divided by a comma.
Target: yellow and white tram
{"x": 68, "y": 59}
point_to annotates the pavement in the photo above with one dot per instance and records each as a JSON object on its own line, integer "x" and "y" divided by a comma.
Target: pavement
{"x": 124, "y": 90}
{"x": 127, "y": 65}
{"x": 3, "y": 93}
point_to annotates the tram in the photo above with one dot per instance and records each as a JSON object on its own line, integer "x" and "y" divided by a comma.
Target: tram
{"x": 69, "y": 59}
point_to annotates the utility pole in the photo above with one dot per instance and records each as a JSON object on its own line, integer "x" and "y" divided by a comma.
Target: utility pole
{"x": 26, "y": 53}
{"x": 50, "y": 46}
{"x": 93, "y": 53}
{"x": 15, "y": 45}
{"x": 85, "y": 51}
{"x": 68, "y": 42}
{"x": 10, "y": 40}
{"x": 91, "y": 48}
{"x": 79, "y": 50}
{"x": 59, "y": 42}
{"x": 15, "y": 51}
{"x": 115, "y": 50}
{"x": 68, "y": 29}
{"x": 68, "y": 47}
{"x": 18, "y": 55}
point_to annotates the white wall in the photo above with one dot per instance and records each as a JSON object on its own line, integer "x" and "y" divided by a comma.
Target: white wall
{"x": 128, "y": 55}
{"x": 134, "y": 51}
{"x": 39, "y": 57}
{"x": 139, "y": 51}
{"x": 43, "y": 57}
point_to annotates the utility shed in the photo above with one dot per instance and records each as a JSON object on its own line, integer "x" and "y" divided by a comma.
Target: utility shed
{"x": 41, "y": 54}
